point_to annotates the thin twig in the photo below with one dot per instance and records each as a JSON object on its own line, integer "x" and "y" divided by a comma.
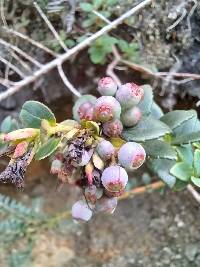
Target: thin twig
{"x": 50, "y": 26}
{"x": 184, "y": 13}
{"x": 33, "y": 42}
{"x": 22, "y": 53}
{"x": 112, "y": 65}
{"x": 67, "y": 82}
{"x": 141, "y": 190}
{"x": 194, "y": 193}
{"x": 13, "y": 67}
{"x": 60, "y": 59}
{"x": 23, "y": 64}
{"x": 2, "y": 13}
{"x": 190, "y": 14}
{"x": 6, "y": 82}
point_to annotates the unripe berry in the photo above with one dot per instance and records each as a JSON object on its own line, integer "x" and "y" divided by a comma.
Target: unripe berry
{"x": 105, "y": 150}
{"x": 113, "y": 128}
{"x": 114, "y": 178}
{"x": 107, "y": 86}
{"x": 83, "y": 108}
{"x": 56, "y": 166}
{"x": 81, "y": 211}
{"x": 107, "y": 205}
{"x": 92, "y": 193}
{"x": 129, "y": 95}
{"x": 131, "y": 117}
{"x": 86, "y": 156}
{"x": 106, "y": 108}
{"x": 131, "y": 155}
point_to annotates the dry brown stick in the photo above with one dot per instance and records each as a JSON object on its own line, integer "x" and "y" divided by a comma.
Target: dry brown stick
{"x": 60, "y": 59}
{"x": 112, "y": 65}
{"x": 141, "y": 190}
{"x": 194, "y": 193}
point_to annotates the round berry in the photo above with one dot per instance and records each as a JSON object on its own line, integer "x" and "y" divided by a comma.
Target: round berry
{"x": 131, "y": 117}
{"x": 106, "y": 108}
{"x": 81, "y": 211}
{"x": 114, "y": 178}
{"x": 56, "y": 166}
{"x": 131, "y": 155}
{"x": 105, "y": 150}
{"x": 83, "y": 108}
{"x": 106, "y": 205}
{"x": 129, "y": 95}
{"x": 92, "y": 193}
{"x": 107, "y": 86}
{"x": 86, "y": 156}
{"x": 113, "y": 128}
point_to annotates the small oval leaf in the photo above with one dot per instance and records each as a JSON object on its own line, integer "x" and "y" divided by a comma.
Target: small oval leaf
{"x": 196, "y": 181}
{"x": 33, "y": 112}
{"x": 47, "y": 148}
{"x": 182, "y": 171}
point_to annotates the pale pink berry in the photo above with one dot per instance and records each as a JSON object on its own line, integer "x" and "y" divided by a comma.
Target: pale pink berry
{"x": 131, "y": 155}
{"x": 114, "y": 178}
{"x": 105, "y": 150}
{"x": 131, "y": 117}
{"x": 56, "y": 166}
{"x": 113, "y": 128}
{"x": 92, "y": 193}
{"x": 129, "y": 95}
{"x": 83, "y": 108}
{"x": 106, "y": 108}
{"x": 81, "y": 211}
{"x": 107, "y": 86}
{"x": 106, "y": 205}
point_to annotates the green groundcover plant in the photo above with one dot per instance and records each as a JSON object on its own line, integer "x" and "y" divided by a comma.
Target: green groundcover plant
{"x": 108, "y": 138}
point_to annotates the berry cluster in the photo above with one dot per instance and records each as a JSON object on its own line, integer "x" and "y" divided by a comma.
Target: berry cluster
{"x": 104, "y": 166}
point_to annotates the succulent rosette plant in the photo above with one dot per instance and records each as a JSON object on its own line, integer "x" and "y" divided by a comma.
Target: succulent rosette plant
{"x": 108, "y": 138}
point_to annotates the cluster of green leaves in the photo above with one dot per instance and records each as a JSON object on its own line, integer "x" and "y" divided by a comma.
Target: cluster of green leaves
{"x": 170, "y": 141}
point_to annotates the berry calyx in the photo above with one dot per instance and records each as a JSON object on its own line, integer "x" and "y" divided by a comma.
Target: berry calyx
{"x": 106, "y": 108}
{"x": 113, "y": 128}
{"x": 131, "y": 117}
{"x": 107, "y": 86}
{"x": 114, "y": 178}
{"x": 81, "y": 211}
{"x": 129, "y": 95}
{"x": 105, "y": 150}
{"x": 131, "y": 155}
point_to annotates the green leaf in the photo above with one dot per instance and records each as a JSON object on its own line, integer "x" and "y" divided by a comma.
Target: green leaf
{"x": 97, "y": 3}
{"x": 148, "y": 128}
{"x": 162, "y": 168}
{"x": 47, "y": 148}
{"x": 8, "y": 125}
{"x": 179, "y": 185}
{"x": 189, "y": 126}
{"x": 186, "y": 138}
{"x": 146, "y": 103}
{"x": 156, "y": 111}
{"x": 197, "y": 162}
{"x": 33, "y": 112}
{"x": 97, "y": 57}
{"x": 182, "y": 171}
{"x": 175, "y": 118}
{"x": 185, "y": 153}
{"x": 87, "y": 7}
{"x": 159, "y": 149}
{"x": 196, "y": 181}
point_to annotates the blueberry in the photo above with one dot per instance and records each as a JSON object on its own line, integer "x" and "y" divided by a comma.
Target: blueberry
{"x": 114, "y": 178}
{"x": 83, "y": 108}
{"x": 129, "y": 95}
{"x": 92, "y": 193}
{"x": 113, "y": 128}
{"x": 131, "y": 117}
{"x": 106, "y": 108}
{"x": 105, "y": 150}
{"x": 81, "y": 211}
{"x": 106, "y": 205}
{"x": 107, "y": 86}
{"x": 131, "y": 155}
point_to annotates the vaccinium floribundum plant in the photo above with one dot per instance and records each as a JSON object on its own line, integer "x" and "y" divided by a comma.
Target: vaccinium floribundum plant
{"x": 108, "y": 138}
